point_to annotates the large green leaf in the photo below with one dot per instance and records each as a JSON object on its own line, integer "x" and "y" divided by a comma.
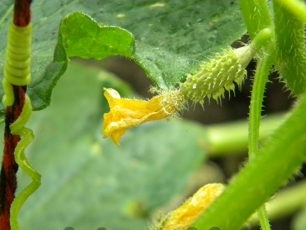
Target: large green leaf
{"x": 171, "y": 38}
{"x": 87, "y": 181}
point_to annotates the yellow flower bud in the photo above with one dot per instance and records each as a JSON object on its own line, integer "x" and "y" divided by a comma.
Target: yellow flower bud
{"x": 127, "y": 113}
{"x": 187, "y": 214}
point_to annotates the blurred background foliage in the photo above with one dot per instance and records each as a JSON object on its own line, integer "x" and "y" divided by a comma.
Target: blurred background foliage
{"x": 88, "y": 181}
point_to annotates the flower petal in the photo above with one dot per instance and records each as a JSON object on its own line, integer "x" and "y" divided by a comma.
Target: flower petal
{"x": 127, "y": 113}
{"x": 187, "y": 214}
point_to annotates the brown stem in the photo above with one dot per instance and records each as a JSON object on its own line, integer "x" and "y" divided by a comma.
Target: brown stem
{"x": 8, "y": 177}
{"x": 22, "y": 12}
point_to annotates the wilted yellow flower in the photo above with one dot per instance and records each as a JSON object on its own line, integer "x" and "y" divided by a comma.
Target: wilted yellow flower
{"x": 127, "y": 113}
{"x": 187, "y": 214}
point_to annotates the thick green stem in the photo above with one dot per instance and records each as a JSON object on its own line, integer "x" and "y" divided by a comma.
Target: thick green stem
{"x": 256, "y": 15}
{"x": 295, "y": 7}
{"x": 279, "y": 159}
{"x": 232, "y": 138}
{"x": 290, "y": 48}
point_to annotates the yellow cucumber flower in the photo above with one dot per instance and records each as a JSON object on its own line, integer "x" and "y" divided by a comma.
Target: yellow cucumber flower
{"x": 127, "y": 113}
{"x": 188, "y": 213}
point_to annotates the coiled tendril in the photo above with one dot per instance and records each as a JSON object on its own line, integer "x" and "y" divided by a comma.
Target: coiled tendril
{"x": 17, "y": 71}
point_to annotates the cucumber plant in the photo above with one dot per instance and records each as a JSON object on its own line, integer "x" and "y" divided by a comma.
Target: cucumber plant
{"x": 182, "y": 73}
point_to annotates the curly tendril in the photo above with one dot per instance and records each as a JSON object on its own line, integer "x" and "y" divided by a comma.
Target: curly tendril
{"x": 18, "y": 60}
{"x": 17, "y": 72}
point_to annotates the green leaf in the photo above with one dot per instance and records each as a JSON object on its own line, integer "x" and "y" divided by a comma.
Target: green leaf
{"x": 171, "y": 38}
{"x": 87, "y": 181}
{"x": 96, "y": 42}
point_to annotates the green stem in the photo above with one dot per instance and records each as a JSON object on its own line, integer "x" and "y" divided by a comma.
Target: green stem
{"x": 263, "y": 218}
{"x": 257, "y": 96}
{"x": 256, "y": 15}
{"x": 279, "y": 159}
{"x": 285, "y": 202}
{"x": 220, "y": 143}
{"x": 295, "y": 7}
{"x": 290, "y": 48}
{"x": 260, "y": 80}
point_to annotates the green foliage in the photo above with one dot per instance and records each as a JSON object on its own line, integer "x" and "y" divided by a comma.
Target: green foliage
{"x": 87, "y": 181}
{"x": 99, "y": 184}
{"x": 256, "y": 16}
{"x": 171, "y": 39}
{"x": 97, "y": 42}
